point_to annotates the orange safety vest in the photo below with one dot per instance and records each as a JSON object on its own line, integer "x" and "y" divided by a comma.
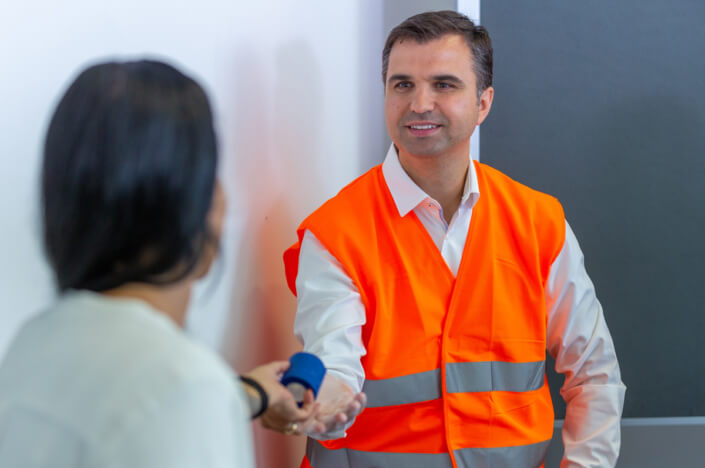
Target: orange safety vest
{"x": 454, "y": 370}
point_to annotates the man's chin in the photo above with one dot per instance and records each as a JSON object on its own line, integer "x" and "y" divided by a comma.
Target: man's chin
{"x": 422, "y": 150}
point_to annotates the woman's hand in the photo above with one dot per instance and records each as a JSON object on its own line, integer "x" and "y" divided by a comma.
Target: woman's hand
{"x": 283, "y": 413}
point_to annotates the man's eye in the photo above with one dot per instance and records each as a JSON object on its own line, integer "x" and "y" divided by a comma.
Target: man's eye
{"x": 403, "y": 85}
{"x": 444, "y": 85}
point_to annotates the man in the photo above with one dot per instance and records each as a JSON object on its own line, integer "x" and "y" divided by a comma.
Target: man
{"x": 436, "y": 285}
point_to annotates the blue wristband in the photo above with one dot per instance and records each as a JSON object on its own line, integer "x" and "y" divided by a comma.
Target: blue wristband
{"x": 305, "y": 369}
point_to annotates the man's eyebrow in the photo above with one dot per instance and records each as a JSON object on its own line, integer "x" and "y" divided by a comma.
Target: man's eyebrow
{"x": 451, "y": 78}
{"x": 399, "y": 77}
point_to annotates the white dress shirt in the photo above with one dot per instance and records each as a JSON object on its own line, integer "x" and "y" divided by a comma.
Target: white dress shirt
{"x": 330, "y": 316}
{"x": 112, "y": 383}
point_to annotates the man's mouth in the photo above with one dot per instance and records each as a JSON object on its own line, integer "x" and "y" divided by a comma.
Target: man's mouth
{"x": 423, "y": 129}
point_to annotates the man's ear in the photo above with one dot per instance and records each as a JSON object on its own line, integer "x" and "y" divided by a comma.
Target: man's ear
{"x": 485, "y": 104}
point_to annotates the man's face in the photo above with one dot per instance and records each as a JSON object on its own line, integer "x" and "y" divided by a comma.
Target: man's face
{"x": 431, "y": 102}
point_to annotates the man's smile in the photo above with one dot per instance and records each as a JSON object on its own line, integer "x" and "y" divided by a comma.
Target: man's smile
{"x": 422, "y": 128}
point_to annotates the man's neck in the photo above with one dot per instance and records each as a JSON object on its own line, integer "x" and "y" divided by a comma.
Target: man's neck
{"x": 171, "y": 300}
{"x": 441, "y": 176}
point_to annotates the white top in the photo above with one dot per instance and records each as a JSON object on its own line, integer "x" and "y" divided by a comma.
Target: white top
{"x": 330, "y": 315}
{"x": 105, "y": 382}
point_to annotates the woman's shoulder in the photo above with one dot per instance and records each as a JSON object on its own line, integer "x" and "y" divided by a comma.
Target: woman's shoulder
{"x": 107, "y": 355}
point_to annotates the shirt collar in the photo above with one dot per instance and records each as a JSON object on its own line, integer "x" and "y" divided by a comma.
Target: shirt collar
{"x": 407, "y": 195}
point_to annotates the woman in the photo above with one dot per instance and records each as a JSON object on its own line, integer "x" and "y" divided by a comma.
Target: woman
{"x": 132, "y": 216}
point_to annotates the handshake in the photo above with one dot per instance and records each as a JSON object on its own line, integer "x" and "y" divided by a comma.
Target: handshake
{"x": 299, "y": 397}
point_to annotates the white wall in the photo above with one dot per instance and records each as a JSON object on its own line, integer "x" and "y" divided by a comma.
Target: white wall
{"x": 291, "y": 85}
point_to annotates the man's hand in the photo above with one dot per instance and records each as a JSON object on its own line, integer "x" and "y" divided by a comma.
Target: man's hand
{"x": 339, "y": 405}
{"x": 283, "y": 413}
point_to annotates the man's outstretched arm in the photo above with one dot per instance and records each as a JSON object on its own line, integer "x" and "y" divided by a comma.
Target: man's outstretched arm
{"x": 328, "y": 323}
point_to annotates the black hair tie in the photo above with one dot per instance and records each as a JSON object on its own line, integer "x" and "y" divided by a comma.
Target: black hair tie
{"x": 264, "y": 398}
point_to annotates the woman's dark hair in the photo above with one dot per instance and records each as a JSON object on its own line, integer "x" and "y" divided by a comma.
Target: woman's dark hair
{"x": 128, "y": 176}
{"x": 432, "y": 25}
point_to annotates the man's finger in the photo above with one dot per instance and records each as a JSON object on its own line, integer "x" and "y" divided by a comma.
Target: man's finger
{"x": 362, "y": 399}
{"x": 353, "y": 409}
{"x": 312, "y": 426}
{"x": 319, "y": 427}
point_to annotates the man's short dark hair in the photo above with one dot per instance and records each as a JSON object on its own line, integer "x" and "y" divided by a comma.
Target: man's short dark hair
{"x": 432, "y": 25}
{"x": 128, "y": 177}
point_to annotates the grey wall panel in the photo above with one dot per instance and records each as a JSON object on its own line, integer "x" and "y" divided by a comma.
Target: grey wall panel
{"x": 602, "y": 104}
{"x": 394, "y": 12}
{"x": 378, "y": 17}
{"x": 651, "y": 443}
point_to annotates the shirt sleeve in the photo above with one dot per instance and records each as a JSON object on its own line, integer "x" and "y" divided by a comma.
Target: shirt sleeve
{"x": 330, "y": 313}
{"x": 580, "y": 342}
{"x": 198, "y": 424}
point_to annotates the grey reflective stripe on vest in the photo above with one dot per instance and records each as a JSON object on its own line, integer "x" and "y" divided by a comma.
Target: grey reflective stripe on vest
{"x": 320, "y": 457}
{"x": 461, "y": 377}
{"x": 498, "y": 376}
{"x": 411, "y": 388}
{"x": 521, "y": 456}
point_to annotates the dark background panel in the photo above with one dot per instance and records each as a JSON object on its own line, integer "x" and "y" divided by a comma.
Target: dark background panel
{"x": 602, "y": 104}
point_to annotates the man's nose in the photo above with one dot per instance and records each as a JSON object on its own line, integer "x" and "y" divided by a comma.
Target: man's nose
{"x": 422, "y": 100}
